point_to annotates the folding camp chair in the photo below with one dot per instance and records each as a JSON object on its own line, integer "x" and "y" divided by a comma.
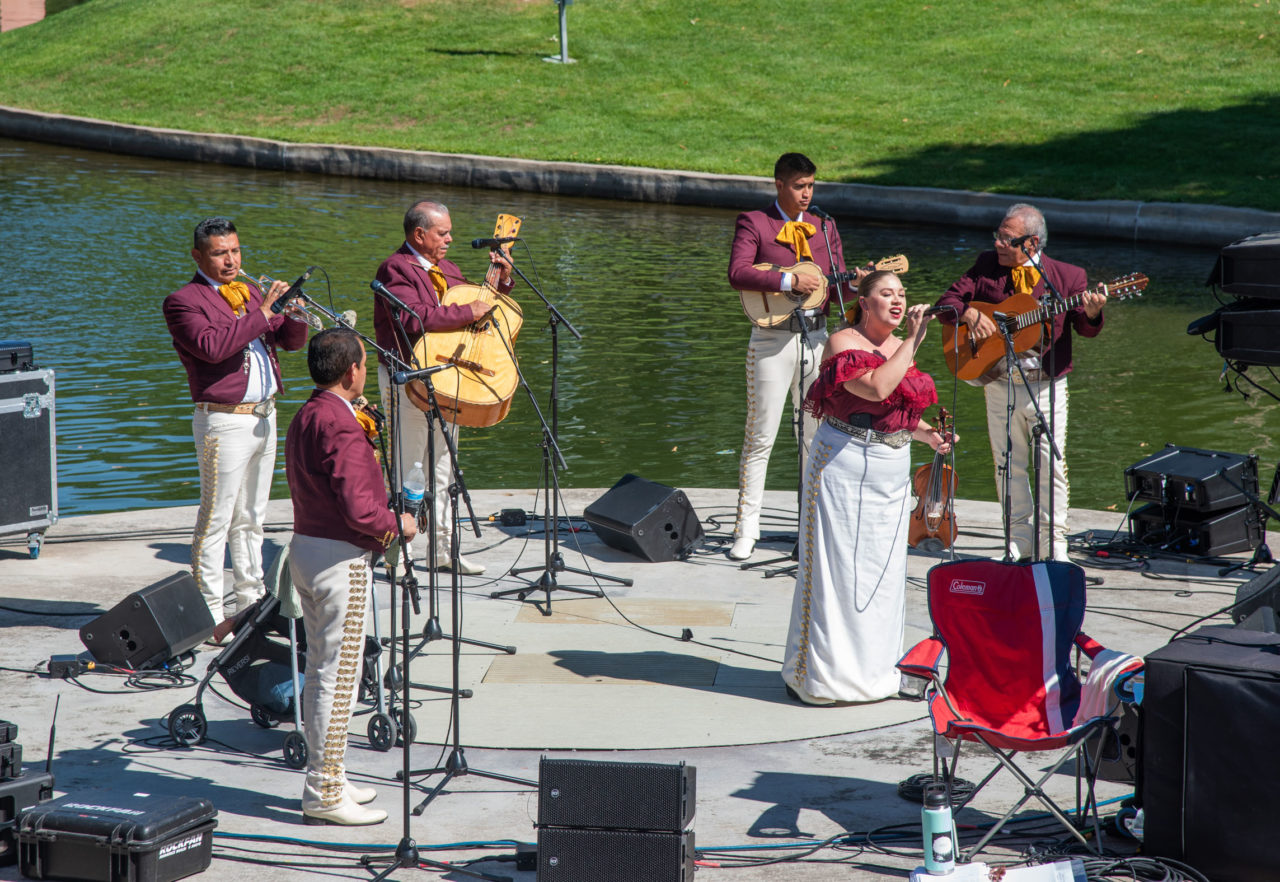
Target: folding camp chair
{"x": 1009, "y": 631}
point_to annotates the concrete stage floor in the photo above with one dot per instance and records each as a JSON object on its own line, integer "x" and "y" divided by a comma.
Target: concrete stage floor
{"x": 606, "y": 679}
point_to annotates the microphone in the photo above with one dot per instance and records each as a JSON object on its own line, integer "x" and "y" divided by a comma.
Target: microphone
{"x": 1020, "y": 241}
{"x": 402, "y": 377}
{"x": 493, "y": 242}
{"x": 278, "y": 305}
{"x": 940, "y": 308}
{"x": 818, "y": 212}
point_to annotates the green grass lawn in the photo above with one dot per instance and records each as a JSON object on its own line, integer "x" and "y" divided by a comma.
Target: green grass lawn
{"x": 1139, "y": 99}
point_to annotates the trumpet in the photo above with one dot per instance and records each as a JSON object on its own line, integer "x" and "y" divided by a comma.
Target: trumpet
{"x": 296, "y": 311}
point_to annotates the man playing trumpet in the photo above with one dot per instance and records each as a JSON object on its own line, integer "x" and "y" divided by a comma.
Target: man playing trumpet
{"x": 226, "y": 337}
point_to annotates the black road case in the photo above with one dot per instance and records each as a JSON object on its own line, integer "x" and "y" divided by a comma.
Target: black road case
{"x": 28, "y": 449}
{"x": 113, "y": 837}
{"x": 18, "y": 794}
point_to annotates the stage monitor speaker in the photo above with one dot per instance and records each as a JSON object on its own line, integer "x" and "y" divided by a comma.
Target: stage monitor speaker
{"x": 150, "y": 626}
{"x": 1259, "y": 593}
{"x": 1250, "y": 267}
{"x": 1201, "y": 535}
{"x": 568, "y": 854}
{"x": 619, "y": 796}
{"x": 1192, "y": 479}
{"x": 1251, "y": 336}
{"x": 1210, "y": 711}
{"x": 645, "y": 518}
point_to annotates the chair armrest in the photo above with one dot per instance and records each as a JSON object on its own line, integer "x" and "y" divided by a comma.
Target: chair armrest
{"x": 1088, "y": 645}
{"x": 921, "y": 660}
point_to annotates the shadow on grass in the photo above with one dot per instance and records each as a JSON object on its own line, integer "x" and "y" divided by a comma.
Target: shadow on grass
{"x": 1222, "y": 156}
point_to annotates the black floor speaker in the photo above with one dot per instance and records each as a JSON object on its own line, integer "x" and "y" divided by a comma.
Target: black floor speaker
{"x": 1191, "y": 479}
{"x": 620, "y": 796}
{"x": 1208, "y": 776}
{"x": 569, "y": 854}
{"x": 1203, "y": 535}
{"x": 645, "y": 518}
{"x": 1257, "y": 601}
{"x": 150, "y": 626}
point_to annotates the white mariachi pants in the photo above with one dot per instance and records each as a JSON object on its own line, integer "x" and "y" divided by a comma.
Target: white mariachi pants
{"x": 1021, "y": 523}
{"x": 774, "y": 369}
{"x": 333, "y": 582}
{"x": 411, "y": 442}
{"x": 237, "y": 457}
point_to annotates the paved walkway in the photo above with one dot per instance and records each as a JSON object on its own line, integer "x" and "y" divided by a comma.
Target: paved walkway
{"x": 584, "y": 681}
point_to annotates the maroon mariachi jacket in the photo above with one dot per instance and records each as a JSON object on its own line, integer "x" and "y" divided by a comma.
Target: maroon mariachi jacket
{"x": 755, "y": 241}
{"x": 213, "y": 344}
{"x": 990, "y": 282}
{"x": 404, "y": 277}
{"x": 334, "y": 477}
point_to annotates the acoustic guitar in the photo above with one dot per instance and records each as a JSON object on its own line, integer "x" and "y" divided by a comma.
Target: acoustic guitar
{"x": 773, "y": 309}
{"x": 1022, "y": 314}
{"x": 479, "y": 392}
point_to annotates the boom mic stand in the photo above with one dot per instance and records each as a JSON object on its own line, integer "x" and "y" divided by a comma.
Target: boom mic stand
{"x": 456, "y": 764}
{"x": 553, "y": 559}
{"x": 1057, "y": 303}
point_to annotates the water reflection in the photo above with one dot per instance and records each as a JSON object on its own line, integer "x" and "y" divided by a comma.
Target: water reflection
{"x": 91, "y": 243}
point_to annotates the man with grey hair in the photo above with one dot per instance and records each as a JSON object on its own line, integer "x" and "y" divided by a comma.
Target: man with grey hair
{"x": 994, "y": 277}
{"x": 419, "y": 275}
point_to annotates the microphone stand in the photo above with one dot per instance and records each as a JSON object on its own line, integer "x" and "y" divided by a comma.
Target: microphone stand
{"x": 1005, "y": 324}
{"x": 1261, "y": 554}
{"x": 553, "y": 558}
{"x": 1057, "y": 305}
{"x": 456, "y": 764}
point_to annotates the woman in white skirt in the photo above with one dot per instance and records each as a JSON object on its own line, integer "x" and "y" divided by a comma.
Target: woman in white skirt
{"x": 847, "y": 616}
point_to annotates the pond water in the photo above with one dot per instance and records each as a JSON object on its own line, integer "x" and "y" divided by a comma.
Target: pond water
{"x": 91, "y": 243}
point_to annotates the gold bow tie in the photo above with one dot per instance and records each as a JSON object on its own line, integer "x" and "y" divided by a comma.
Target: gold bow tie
{"x": 796, "y": 234}
{"x": 237, "y": 296}
{"x": 1025, "y": 279}
{"x": 438, "y": 280}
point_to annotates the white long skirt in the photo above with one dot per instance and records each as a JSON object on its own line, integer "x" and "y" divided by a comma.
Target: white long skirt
{"x": 849, "y": 608}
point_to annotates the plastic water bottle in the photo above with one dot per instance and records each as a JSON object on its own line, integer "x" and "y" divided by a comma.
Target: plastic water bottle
{"x": 414, "y": 489}
{"x": 939, "y": 832}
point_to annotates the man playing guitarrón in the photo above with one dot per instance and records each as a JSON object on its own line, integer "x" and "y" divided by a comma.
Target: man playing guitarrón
{"x": 778, "y": 359}
{"x": 994, "y": 277}
{"x": 419, "y": 275}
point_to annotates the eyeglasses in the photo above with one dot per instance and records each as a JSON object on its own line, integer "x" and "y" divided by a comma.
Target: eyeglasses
{"x": 1001, "y": 239}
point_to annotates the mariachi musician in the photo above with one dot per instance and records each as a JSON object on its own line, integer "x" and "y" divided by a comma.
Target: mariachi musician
{"x": 781, "y": 359}
{"x": 226, "y": 335}
{"x": 419, "y": 275}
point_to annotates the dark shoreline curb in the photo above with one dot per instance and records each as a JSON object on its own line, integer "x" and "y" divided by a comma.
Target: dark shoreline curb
{"x": 1167, "y": 222}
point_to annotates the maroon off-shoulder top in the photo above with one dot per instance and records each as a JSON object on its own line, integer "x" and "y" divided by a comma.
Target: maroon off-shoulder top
{"x": 901, "y": 410}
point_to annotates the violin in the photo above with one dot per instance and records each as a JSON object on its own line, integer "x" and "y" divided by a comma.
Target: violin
{"x": 369, "y": 417}
{"x": 933, "y": 523}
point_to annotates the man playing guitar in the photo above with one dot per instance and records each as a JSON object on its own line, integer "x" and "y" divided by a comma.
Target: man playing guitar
{"x": 784, "y": 358}
{"x": 994, "y": 277}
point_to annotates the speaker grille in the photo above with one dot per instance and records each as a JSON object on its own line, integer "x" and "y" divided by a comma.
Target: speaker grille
{"x": 571, "y": 855}
{"x": 623, "y": 796}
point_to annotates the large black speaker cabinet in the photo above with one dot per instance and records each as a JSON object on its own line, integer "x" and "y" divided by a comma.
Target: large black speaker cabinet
{"x": 621, "y": 796}
{"x": 569, "y": 854}
{"x": 1208, "y": 776}
{"x": 1203, "y": 535}
{"x": 150, "y": 626}
{"x": 1250, "y": 267}
{"x": 645, "y": 518}
{"x": 1193, "y": 479}
{"x": 1257, "y": 601}
{"x": 1250, "y": 335}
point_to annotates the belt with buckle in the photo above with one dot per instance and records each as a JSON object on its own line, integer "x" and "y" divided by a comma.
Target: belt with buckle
{"x": 898, "y": 439}
{"x": 261, "y": 409}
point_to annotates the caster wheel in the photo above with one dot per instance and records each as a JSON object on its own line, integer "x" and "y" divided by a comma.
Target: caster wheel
{"x": 295, "y": 750}
{"x": 410, "y": 730}
{"x": 383, "y": 732}
{"x": 187, "y": 725}
{"x": 262, "y": 717}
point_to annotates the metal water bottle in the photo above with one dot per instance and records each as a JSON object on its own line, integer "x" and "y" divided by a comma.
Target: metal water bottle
{"x": 414, "y": 489}
{"x": 939, "y": 831}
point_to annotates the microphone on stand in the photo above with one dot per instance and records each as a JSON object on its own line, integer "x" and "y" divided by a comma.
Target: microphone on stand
{"x": 493, "y": 242}
{"x": 819, "y": 213}
{"x": 1020, "y": 241}
{"x": 940, "y": 308}
{"x": 402, "y": 377}
{"x": 278, "y": 305}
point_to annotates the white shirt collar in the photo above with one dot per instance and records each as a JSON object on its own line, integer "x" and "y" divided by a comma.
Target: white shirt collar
{"x": 798, "y": 217}
{"x": 426, "y": 264}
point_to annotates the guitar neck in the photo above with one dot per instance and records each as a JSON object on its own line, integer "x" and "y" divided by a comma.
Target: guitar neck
{"x": 1054, "y": 308}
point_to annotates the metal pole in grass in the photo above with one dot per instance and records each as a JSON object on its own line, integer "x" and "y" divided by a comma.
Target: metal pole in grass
{"x": 563, "y": 57}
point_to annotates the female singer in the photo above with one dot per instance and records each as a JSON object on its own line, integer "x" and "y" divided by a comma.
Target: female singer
{"x": 848, "y": 612}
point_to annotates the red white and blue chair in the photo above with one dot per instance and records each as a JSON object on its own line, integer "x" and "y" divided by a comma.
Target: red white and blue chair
{"x": 1009, "y": 633}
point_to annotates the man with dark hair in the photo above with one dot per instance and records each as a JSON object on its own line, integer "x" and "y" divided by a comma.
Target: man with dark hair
{"x": 994, "y": 277}
{"x": 226, "y": 337}
{"x": 419, "y": 275}
{"x": 780, "y": 360}
{"x": 340, "y": 518}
